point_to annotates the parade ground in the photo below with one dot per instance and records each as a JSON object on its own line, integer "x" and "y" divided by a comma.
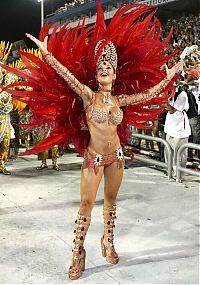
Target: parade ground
{"x": 156, "y": 234}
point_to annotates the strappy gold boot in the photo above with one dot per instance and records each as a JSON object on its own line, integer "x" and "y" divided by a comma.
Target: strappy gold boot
{"x": 107, "y": 246}
{"x": 43, "y": 165}
{"x": 55, "y": 164}
{"x": 27, "y": 141}
{"x": 4, "y": 150}
{"x": 3, "y": 169}
{"x": 79, "y": 253}
{"x": 54, "y": 156}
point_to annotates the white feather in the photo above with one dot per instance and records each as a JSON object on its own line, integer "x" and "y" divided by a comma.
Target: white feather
{"x": 188, "y": 51}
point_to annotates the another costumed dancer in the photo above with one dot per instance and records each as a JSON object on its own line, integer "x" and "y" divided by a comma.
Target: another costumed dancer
{"x": 5, "y": 127}
{"x": 7, "y": 105}
{"x": 124, "y": 64}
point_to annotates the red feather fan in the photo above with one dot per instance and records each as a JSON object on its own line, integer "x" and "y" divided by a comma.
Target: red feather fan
{"x": 136, "y": 34}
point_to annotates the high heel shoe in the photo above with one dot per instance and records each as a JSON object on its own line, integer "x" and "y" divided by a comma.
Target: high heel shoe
{"x": 107, "y": 245}
{"x": 78, "y": 265}
{"x": 79, "y": 253}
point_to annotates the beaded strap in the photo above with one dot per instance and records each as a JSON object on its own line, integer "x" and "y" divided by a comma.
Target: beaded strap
{"x": 82, "y": 224}
{"x": 73, "y": 82}
{"x": 109, "y": 222}
{"x": 153, "y": 92}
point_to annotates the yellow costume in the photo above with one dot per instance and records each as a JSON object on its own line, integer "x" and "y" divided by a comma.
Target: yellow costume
{"x": 7, "y": 104}
{"x": 39, "y": 134}
{"x": 5, "y": 109}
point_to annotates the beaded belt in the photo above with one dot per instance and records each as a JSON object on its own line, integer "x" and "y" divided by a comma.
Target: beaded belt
{"x": 95, "y": 161}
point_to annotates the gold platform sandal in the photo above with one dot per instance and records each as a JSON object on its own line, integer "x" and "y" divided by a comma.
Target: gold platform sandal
{"x": 107, "y": 246}
{"x": 79, "y": 253}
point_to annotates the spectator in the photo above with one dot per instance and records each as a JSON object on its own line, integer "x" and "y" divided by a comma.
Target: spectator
{"x": 177, "y": 127}
{"x": 160, "y": 133}
{"x": 193, "y": 81}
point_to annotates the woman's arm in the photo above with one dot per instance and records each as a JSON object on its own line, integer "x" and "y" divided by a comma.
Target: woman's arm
{"x": 153, "y": 92}
{"x": 80, "y": 89}
{"x": 125, "y": 100}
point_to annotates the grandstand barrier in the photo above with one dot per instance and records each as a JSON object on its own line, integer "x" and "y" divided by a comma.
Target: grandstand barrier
{"x": 64, "y": 15}
{"x": 179, "y": 168}
{"x": 75, "y": 11}
{"x": 168, "y": 165}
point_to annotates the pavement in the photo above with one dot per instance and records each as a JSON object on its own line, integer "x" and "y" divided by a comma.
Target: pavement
{"x": 156, "y": 235}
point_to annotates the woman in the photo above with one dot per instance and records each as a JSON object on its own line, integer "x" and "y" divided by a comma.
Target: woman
{"x": 103, "y": 154}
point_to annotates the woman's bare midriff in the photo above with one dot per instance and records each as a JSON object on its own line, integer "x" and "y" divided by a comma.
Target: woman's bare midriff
{"x": 103, "y": 138}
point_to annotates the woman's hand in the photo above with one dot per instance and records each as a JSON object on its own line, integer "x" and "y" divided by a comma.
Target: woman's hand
{"x": 176, "y": 69}
{"x": 42, "y": 45}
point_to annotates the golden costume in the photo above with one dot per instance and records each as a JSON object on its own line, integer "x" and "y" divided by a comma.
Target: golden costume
{"x": 5, "y": 132}
{"x": 7, "y": 105}
{"x": 5, "y": 126}
{"x": 52, "y": 153}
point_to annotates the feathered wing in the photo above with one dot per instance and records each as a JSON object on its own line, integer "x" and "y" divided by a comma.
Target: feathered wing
{"x": 136, "y": 34}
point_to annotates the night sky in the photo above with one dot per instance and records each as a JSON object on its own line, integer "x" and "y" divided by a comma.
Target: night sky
{"x": 21, "y": 16}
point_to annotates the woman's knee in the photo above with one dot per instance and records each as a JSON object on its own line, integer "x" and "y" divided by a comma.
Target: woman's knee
{"x": 110, "y": 197}
{"x": 86, "y": 205}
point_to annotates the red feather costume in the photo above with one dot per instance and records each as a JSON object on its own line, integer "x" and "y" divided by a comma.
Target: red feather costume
{"x": 136, "y": 34}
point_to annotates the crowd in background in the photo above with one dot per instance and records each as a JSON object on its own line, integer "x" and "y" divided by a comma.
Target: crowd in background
{"x": 186, "y": 31}
{"x": 72, "y": 4}
{"x": 75, "y": 3}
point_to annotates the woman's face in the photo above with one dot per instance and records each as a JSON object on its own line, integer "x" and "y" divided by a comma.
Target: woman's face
{"x": 105, "y": 73}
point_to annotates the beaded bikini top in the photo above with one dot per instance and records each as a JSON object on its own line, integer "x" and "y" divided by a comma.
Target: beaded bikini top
{"x": 100, "y": 115}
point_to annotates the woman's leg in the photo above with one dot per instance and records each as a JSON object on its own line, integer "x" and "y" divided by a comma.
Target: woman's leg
{"x": 113, "y": 179}
{"x": 88, "y": 187}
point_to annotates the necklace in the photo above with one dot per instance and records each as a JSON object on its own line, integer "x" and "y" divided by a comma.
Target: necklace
{"x": 106, "y": 99}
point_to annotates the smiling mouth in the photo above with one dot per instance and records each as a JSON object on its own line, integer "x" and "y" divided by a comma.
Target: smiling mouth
{"x": 104, "y": 74}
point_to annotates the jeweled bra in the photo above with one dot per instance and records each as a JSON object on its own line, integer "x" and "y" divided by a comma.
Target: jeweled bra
{"x": 100, "y": 115}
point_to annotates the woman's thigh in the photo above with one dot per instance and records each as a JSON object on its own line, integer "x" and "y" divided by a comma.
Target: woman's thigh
{"x": 113, "y": 177}
{"x": 90, "y": 183}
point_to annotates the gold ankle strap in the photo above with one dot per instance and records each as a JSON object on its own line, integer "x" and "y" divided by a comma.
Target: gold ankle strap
{"x": 82, "y": 225}
{"x": 109, "y": 213}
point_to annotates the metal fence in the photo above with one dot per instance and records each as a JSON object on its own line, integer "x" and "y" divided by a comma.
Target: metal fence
{"x": 179, "y": 168}
{"x": 169, "y": 164}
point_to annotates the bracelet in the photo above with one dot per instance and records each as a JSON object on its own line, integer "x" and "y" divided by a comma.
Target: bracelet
{"x": 47, "y": 54}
